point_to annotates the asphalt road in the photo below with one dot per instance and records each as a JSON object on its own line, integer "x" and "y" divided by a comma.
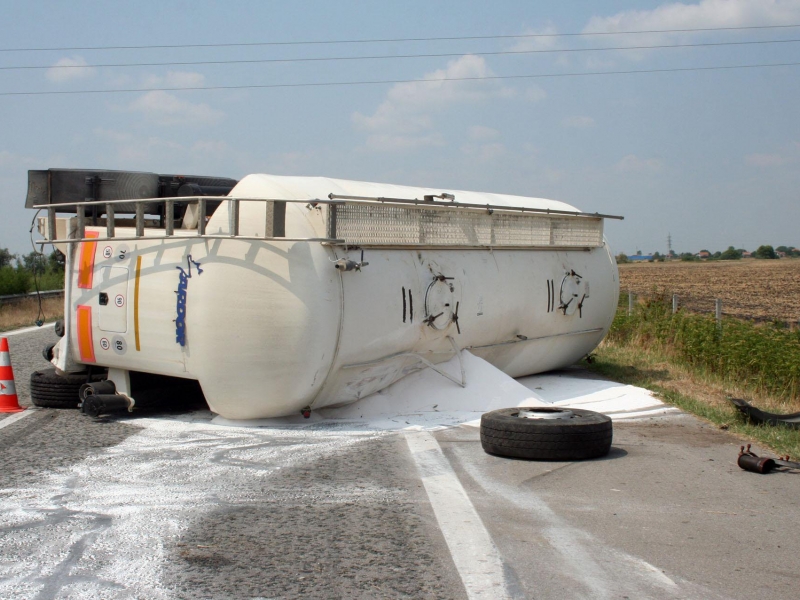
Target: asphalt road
{"x": 170, "y": 505}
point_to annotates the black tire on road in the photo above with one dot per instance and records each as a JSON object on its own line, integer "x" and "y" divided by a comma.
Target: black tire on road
{"x": 586, "y": 434}
{"x": 49, "y": 390}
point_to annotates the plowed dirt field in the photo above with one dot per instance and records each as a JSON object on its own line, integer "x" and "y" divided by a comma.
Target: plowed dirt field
{"x": 762, "y": 290}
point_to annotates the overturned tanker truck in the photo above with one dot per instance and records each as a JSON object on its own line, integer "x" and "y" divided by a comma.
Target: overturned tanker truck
{"x": 281, "y": 295}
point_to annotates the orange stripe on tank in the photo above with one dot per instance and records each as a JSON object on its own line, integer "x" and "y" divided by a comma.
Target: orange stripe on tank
{"x": 85, "y": 342}
{"x": 86, "y": 261}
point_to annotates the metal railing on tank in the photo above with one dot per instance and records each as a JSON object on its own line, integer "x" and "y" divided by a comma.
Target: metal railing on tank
{"x": 274, "y": 224}
{"x": 354, "y": 221}
{"x": 380, "y": 221}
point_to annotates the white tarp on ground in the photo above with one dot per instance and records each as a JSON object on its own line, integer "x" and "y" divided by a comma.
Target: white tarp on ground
{"x": 428, "y": 400}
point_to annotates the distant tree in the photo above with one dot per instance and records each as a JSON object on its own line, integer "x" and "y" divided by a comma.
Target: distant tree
{"x": 56, "y": 261}
{"x": 765, "y": 252}
{"x": 622, "y": 258}
{"x": 6, "y": 257}
{"x": 731, "y": 254}
{"x": 35, "y": 262}
{"x": 688, "y": 257}
{"x": 789, "y": 250}
{"x": 14, "y": 281}
{"x": 716, "y": 254}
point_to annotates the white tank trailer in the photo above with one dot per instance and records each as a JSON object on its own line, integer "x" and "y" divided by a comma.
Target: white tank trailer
{"x": 282, "y": 295}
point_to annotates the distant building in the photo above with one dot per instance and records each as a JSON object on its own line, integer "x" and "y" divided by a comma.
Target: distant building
{"x": 747, "y": 254}
{"x": 703, "y": 254}
{"x": 640, "y": 257}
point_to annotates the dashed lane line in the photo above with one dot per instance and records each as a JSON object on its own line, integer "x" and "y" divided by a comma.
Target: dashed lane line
{"x": 474, "y": 553}
{"x": 16, "y": 417}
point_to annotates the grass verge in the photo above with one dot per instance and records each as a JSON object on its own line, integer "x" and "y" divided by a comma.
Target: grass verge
{"x": 694, "y": 391}
{"x": 24, "y": 313}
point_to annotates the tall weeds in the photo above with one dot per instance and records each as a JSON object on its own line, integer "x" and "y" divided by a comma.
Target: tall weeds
{"x": 764, "y": 358}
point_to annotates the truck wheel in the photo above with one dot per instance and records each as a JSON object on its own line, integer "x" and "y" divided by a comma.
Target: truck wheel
{"x": 54, "y": 391}
{"x": 548, "y": 433}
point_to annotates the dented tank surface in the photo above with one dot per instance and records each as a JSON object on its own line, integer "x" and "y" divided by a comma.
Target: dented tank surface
{"x": 272, "y": 327}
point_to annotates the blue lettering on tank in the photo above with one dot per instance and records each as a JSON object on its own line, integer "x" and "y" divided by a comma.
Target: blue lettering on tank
{"x": 184, "y": 277}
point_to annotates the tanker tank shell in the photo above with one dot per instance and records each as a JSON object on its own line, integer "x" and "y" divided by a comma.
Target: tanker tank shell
{"x": 273, "y": 327}
{"x": 263, "y": 320}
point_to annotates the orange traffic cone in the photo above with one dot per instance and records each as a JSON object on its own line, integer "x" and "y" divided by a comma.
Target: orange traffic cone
{"x": 9, "y": 403}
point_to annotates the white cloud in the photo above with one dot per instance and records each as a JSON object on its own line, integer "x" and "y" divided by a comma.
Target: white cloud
{"x": 118, "y": 137}
{"x": 535, "y": 94}
{"x": 578, "y": 122}
{"x": 405, "y": 117}
{"x": 548, "y": 40}
{"x": 69, "y": 69}
{"x": 484, "y": 152}
{"x": 176, "y": 79}
{"x": 213, "y": 147}
{"x": 6, "y": 158}
{"x": 11, "y": 161}
{"x": 632, "y": 164}
{"x": 393, "y": 143}
{"x": 707, "y": 13}
{"x": 482, "y": 133}
{"x": 167, "y": 109}
{"x": 153, "y": 152}
{"x": 767, "y": 160}
{"x": 681, "y": 15}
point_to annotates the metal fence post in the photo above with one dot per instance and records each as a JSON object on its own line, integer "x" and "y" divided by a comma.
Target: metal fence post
{"x": 718, "y": 311}
{"x": 630, "y": 303}
{"x": 674, "y": 303}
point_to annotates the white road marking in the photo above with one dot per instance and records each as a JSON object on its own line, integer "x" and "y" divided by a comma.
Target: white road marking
{"x": 602, "y": 571}
{"x": 474, "y": 553}
{"x": 26, "y": 330}
{"x": 16, "y": 417}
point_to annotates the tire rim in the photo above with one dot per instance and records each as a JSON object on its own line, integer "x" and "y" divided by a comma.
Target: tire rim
{"x": 545, "y": 413}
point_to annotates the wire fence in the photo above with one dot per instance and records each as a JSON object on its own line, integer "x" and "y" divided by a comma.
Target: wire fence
{"x": 747, "y": 309}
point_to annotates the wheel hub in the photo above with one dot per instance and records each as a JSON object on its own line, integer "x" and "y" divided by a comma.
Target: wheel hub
{"x": 545, "y": 413}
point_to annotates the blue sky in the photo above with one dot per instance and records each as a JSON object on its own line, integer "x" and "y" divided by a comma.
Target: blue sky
{"x": 710, "y": 157}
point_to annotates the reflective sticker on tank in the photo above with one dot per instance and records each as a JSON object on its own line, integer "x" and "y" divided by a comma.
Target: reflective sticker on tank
{"x": 83, "y": 319}
{"x": 86, "y": 261}
{"x": 183, "y": 283}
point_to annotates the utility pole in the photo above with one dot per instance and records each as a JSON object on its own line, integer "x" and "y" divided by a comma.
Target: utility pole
{"x": 669, "y": 245}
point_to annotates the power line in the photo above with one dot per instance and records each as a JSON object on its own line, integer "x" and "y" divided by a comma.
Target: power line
{"x": 392, "y": 56}
{"x": 396, "y": 40}
{"x": 393, "y": 81}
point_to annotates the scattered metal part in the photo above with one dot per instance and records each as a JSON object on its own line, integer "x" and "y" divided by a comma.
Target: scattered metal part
{"x": 755, "y": 415}
{"x": 749, "y": 461}
{"x": 102, "y": 404}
